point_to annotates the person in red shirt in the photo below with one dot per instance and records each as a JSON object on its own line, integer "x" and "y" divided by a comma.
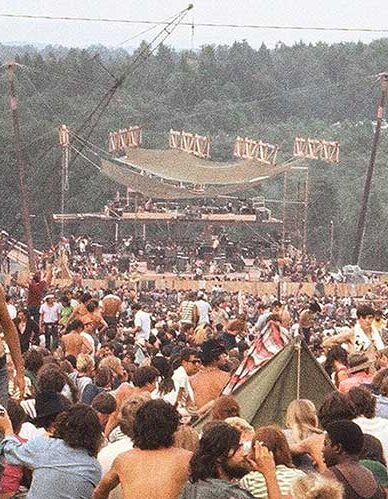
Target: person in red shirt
{"x": 36, "y": 290}
{"x": 359, "y": 372}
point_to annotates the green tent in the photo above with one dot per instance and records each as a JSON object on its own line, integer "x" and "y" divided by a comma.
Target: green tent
{"x": 290, "y": 374}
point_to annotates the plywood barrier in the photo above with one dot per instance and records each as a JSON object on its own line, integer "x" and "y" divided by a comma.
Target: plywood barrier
{"x": 250, "y": 287}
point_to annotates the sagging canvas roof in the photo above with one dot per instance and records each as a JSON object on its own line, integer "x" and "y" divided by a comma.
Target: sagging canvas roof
{"x": 265, "y": 396}
{"x": 172, "y": 174}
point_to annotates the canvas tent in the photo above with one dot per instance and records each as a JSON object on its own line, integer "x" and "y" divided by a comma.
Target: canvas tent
{"x": 291, "y": 373}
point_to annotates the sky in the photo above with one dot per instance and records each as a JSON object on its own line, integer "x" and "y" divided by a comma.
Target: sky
{"x": 307, "y": 13}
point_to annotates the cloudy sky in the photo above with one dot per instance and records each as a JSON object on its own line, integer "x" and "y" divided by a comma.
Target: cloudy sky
{"x": 307, "y": 13}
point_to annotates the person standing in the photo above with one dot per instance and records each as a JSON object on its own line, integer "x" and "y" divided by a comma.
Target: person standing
{"x": 73, "y": 342}
{"x": 36, "y": 291}
{"x": 11, "y": 307}
{"x": 306, "y": 319}
{"x": 49, "y": 319}
{"x": 188, "y": 310}
{"x": 111, "y": 308}
{"x": 12, "y": 340}
{"x": 142, "y": 323}
{"x": 27, "y": 328}
{"x": 204, "y": 308}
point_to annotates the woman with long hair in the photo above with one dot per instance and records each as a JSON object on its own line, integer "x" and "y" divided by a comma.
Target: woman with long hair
{"x": 301, "y": 420}
{"x": 273, "y": 438}
{"x": 301, "y": 423}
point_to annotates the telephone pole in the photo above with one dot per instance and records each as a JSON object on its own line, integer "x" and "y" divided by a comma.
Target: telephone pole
{"x": 21, "y": 167}
{"x": 369, "y": 175}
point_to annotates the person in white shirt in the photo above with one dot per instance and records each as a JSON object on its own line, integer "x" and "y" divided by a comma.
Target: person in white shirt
{"x": 50, "y": 312}
{"x": 190, "y": 364}
{"x": 204, "y": 308}
{"x": 142, "y": 323}
{"x": 11, "y": 307}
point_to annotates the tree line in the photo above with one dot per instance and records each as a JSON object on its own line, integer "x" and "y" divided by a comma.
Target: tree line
{"x": 318, "y": 90}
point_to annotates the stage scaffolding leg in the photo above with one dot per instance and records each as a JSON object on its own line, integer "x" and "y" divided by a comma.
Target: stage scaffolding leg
{"x": 305, "y": 210}
{"x": 285, "y": 193}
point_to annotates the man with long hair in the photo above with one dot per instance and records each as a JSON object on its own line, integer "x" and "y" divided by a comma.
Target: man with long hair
{"x": 221, "y": 458}
{"x": 154, "y": 468}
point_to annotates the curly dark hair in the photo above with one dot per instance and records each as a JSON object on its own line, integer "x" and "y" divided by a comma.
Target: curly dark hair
{"x": 80, "y": 428}
{"x": 33, "y": 360}
{"x": 336, "y": 353}
{"x": 51, "y": 378}
{"x": 155, "y": 424}
{"x": 217, "y": 440}
{"x": 144, "y": 375}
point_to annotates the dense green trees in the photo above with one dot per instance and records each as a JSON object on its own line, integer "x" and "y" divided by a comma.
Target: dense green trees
{"x": 322, "y": 91}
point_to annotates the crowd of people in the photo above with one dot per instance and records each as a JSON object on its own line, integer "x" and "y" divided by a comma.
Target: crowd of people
{"x": 121, "y": 393}
{"x": 215, "y": 257}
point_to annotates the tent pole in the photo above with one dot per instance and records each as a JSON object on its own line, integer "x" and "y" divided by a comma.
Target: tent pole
{"x": 298, "y": 348}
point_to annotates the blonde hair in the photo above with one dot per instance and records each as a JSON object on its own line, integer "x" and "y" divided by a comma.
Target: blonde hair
{"x": 111, "y": 362}
{"x": 302, "y": 419}
{"x": 85, "y": 363}
{"x": 314, "y": 486}
{"x": 240, "y": 424}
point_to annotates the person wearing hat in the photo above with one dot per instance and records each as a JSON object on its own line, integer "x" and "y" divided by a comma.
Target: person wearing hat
{"x": 209, "y": 382}
{"x": 49, "y": 405}
{"x": 50, "y": 312}
{"x": 359, "y": 372}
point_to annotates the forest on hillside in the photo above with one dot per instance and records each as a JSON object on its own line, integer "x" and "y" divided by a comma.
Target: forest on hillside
{"x": 323, "y": 91}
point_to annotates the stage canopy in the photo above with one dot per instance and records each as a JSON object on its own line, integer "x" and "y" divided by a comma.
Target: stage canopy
{"x": 172, "y": 174}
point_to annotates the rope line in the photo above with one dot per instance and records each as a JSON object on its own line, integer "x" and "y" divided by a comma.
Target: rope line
{"x": 203, "y": 25}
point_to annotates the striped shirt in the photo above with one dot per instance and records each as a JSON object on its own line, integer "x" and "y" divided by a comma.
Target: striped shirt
{"x": 254, "y": 481}
{"x": 187, "y": 308}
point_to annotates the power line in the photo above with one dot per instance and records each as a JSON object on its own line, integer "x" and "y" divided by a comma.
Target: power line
{"x": 203, "y": 25}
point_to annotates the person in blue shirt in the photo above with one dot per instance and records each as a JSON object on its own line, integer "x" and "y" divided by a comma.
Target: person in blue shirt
{"x": 64, "y": 466}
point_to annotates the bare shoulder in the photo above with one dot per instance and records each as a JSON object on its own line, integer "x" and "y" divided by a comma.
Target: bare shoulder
{"x": 182, "y": 453}
{"x": 125, "y": 458}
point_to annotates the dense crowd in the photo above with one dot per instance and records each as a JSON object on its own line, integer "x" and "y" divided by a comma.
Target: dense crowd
{"x": 122, "y": 394}
{"x": 215, "y": 258}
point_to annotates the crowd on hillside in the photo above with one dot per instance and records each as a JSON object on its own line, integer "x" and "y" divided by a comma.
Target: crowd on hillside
{"x": 129, "y": 393}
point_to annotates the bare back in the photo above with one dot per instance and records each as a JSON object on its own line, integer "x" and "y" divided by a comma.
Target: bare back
{"x": 72, "y": 344}
{"x": 160, "y": 474}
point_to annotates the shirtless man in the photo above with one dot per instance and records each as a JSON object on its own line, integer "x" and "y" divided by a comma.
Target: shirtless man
{"x": 363, "y": 337}
{"x": 73, "y": 343}
{"x": 154, "y": 468}
{"x": 209, "y": 382}
{"x": 111, "y": 308}
{"x": 306, "y": 319}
